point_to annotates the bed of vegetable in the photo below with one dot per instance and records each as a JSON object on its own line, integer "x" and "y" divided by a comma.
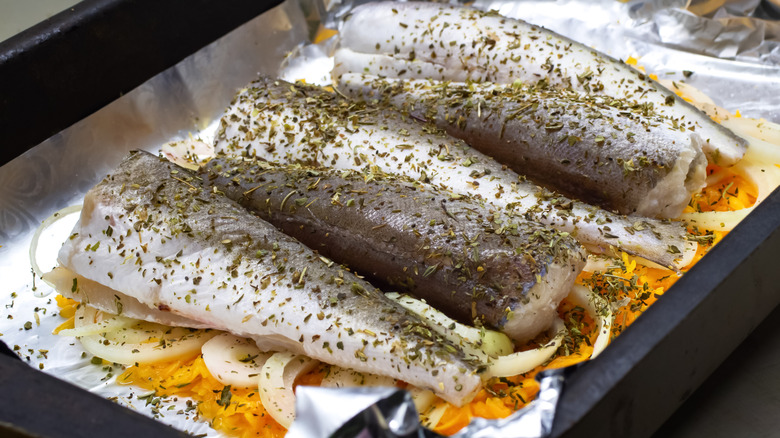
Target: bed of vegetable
{"x": 611, "y": 294}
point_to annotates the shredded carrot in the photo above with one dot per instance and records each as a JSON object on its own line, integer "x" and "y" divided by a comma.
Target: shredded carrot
{"x": 453, "y": 420}
{"x": 67, "y": 306}
{"x": 731, "y": 193}
{"x": 68, "y": 311}
{"x": 69, "y": 324}
{"x": 323, "y": 33}
{"x": 241, "y": 414}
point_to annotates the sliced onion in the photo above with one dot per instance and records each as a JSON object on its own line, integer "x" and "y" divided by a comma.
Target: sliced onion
{"x": 88, "y": 322}
{"x": 717, "y": 220}
{"x": 233, "y": 360}
{"x": 765, "y": 177}
{"x": 689, "y": 252}
{"x": 599, "y": 262}
{"x": 599, "y": 309}
{"x": 602, "y": 262}
{"x": 696, "y": 97}
{"x": 142, "y": 342}
{"x": 423, "y": 398}
{"x": 757, "y": 167}
{"x": 524, "y": 361}
{"x": 338, "y": 377}
{"x": 431, "y": 418}
{"x": 276, "y": 384}
{"x": 758, "y": 128}
{"x": 473, "y": 341}
{"x": 160, "y": 345}
{"x": 189, "y": 154}
{"x": 49, "y": 221}
{"x": 278, "y": 343}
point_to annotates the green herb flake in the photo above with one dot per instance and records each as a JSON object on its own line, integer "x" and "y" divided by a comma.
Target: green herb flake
{"x": 225, "y": 396}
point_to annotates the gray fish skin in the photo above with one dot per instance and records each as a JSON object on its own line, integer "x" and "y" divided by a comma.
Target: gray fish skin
{"x": 606, "y": 152}
{"x": 150, "y": 231}
{"x": 464, "y": 258}
{"x": 420, "y": 40}
{"x": 285, "y": 123}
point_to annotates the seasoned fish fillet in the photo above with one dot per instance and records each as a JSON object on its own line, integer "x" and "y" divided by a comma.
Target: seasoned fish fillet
{"x": 285, "y": 123}
{"x": 100, "y": 297}
{"x": 465, "y": 258}
{"x": 434, "y": 41}
{"x": 152, "y": 232}
{"x": 607, "y": 152}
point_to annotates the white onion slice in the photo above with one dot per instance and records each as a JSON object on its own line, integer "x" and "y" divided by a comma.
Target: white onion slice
{"x": 276, "y": 384}
{"x": 598, "y": 308}
{"x": 473, "y": 341}
{"x": 599, "y": 262}
{"x": 189, "y": 154}
{"x": 49, "y": 221}
{"x": 278, "y": 343}
{"x": 86, "y": 322}
{"x": 160, "y": 345}
{"x": 758, "y": 128}
{"x": 757, "y": 167}
{"x": 524, "y": 361}
{"x": 142, "y": 342}
{"x": 717, "y": 220}
{"x": 433, "y": 417}
{"x": 698, "y": 99}
{"x": 603, "y": 262}
{"x": 423, "y": 398}
{"x": 233, "y": 360}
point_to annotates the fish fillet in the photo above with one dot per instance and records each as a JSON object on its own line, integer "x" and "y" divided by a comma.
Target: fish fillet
{"x": 607, "y": 152}
{"x": 465, "y": 258}
{"x": 100, "y": 297}
{"x": 285, "y": 123}
{"x": 150, "y": 231}
{"x": 434, "y": 41}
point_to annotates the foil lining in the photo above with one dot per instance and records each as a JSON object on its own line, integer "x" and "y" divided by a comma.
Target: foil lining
{"x": 730, "y": 46}
{"x": 390, "y": 413}
{"x": 745, "y": 30}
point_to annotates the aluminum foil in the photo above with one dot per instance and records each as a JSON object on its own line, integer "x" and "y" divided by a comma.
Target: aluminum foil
{"x": 730, "y": 46}
{"x": 184, "y": 100}
{"x": 745, "y": 30}
{"x": 390, "y": 413}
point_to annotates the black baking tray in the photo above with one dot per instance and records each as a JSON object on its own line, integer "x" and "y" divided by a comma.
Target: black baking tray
{"x": 657, "y": 363}
{"x": 75, "y": 63}
{"x": 71, "y": 65}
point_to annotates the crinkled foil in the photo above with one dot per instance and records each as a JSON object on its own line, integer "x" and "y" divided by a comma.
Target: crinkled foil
{"x": 390, "y": 413}
{"x": 730, "y": 46}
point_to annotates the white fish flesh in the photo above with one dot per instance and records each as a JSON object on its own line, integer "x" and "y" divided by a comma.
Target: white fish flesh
{"x": 150, "y": 231}
{"x": 461, "y": 256}
{"x": 606, "y": 152}
{"x": 285, "y": 123}
{"x": 434, "y": 41}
